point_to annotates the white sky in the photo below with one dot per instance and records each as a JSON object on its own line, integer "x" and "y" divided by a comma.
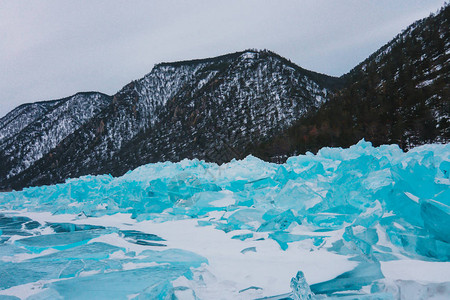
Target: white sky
{"x": 51, "y": 49}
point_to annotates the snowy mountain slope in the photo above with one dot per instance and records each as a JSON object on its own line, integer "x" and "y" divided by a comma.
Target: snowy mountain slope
{"x": 33, "y": 134}
{"x": 216, "y": 120}
{"x": 209, "y": 109}
{"x": 20, "y": 117}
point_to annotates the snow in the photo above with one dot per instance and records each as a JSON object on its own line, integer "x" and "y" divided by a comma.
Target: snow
{"x": 417, "y": 270}
{"x": 425, "y": 83}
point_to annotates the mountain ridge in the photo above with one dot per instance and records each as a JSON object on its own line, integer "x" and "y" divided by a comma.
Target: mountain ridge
{"x": 238, "y": 53}
{"x": 262, "y": 89}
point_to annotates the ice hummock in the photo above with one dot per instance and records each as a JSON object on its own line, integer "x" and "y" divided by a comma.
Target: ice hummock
{"x": 353, "y": 223}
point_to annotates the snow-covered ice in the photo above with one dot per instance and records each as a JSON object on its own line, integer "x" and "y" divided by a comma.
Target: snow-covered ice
{"x": 357, "y": 223}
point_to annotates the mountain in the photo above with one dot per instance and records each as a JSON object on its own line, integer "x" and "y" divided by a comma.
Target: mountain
{"x": 210, "y": 109}
{"x": 400, "y": 94}
{"x": 31, "y": 131}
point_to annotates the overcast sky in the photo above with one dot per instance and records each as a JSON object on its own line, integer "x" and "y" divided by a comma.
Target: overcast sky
{"x": 53, "y": 49}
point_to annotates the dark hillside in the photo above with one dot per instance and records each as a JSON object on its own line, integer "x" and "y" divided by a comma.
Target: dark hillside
{"x": 400, "y": 95}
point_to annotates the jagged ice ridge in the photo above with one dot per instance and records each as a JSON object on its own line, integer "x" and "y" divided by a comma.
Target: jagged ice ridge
{"x": 359, "y": 222}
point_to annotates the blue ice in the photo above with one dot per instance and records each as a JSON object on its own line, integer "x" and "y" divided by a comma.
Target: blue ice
{"x": 385, "y": 204}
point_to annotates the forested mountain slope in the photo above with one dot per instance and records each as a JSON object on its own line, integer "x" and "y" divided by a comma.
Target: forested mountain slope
{"x": 400, "y": 94}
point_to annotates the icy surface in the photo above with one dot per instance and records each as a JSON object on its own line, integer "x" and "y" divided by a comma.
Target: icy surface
{"x": 346, "y": 223}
